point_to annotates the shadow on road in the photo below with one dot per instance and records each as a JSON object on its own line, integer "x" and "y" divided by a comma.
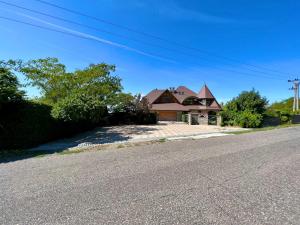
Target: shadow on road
{"x": 101, "y": 135}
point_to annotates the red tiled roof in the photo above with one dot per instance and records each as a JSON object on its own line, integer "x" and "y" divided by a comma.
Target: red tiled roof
{"x": 153, "y": 95}
{"x": 205, "y": 93}
{"x": 182, "y": 93}
{"x": 215, "y": 104}
{"x": 186, "y": 91}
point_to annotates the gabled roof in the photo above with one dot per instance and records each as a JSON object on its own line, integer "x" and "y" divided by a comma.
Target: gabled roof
{"x": 205, "y": 93}
{"x": 182, "y": 93}
{"x": 153, "y": 95}
{"x": 186, "y": 91}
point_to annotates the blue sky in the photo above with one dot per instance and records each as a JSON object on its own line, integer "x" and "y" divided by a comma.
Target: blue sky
{"x": 262, "y": 33}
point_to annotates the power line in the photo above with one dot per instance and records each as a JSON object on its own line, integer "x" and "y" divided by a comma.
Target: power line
{"x": 120, "y": 35}
{"x": 157, "y": 37}
{"x": 88, "y": 38}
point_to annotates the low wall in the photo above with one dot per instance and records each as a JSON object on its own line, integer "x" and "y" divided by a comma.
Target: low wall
{"x": 271, "y": 121}
{"x": 296, "y": 119}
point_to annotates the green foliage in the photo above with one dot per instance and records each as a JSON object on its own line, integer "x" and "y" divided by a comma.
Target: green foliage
{"x": 248, "y": 100}
{"x": 122, "y": 102}
{"x": 249, "y": 119}
{"x": 71, "y": 102}
{"x": 9, "y": 87}
{"x": 27, "y": 124}
{"x": 120, "y": 118}
{"x": 282, "y": 110}
{"x": 284, "y": 119}
{"x": 282, "y": 106}
{"x": 246, "y": 110}
{"x": 50, "y": 76}
{"x": 79, "y": 108}
{"x": 76, "y": 96}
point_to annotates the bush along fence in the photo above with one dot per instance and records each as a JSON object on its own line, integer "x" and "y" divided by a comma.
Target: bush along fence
{"x": 280, "y": 118}
{"x": 28, "y": 124}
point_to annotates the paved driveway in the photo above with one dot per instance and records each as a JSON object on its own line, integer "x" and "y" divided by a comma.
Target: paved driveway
{"x": 249, "y": 179}
{"x": 134, "y": 133}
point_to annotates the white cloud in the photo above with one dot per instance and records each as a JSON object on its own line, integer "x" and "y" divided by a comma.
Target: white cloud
{"x": 93, "y": 37}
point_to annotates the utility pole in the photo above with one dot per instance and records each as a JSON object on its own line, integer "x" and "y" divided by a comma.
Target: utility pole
{"x": 295, "y": 88}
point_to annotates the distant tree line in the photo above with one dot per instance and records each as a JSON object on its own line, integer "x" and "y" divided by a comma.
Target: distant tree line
{"x": 70, "y": 102}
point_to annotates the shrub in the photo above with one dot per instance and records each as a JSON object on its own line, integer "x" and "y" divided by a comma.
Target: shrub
{"x": 79, "y": 108}
{"x": 28, "y": 124}
{"x": 249, "y": 120}
{"x": 145, "y": 118}
{"x": 119, "y": 118}
{"x": 245, "y": 110}
{"x": 9, "y": 87}
{"x": 285, "y": 117}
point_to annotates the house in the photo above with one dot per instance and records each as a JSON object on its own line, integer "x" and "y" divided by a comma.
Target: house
{"x": 182, "y": 104}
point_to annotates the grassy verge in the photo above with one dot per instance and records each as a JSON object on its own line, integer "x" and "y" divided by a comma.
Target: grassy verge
{"x": 263, "y": 129}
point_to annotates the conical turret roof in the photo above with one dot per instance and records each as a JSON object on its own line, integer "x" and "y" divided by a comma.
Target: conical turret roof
{"x": 205, "y": 93}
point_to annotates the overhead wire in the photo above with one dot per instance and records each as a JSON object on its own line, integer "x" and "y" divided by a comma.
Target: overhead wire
{"x": 87, "y": 38}
{"x": 158, "y": 37}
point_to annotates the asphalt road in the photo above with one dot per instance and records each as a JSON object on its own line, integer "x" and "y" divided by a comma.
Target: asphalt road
{"x": 244, "y": 179}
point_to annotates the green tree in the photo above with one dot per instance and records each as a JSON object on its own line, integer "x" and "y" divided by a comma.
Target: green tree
{"x": 9, "y": 87}
{"x": 50, "y": 76}
{"x": 129, "y": 103}
{"x": 79, "y": 108}
{"x": 248, "y": 100}
{"x": 284, "y": 106}
{"x": 76, "y": 95}
{"x": 246, "y": 110}
{"x": 123, "y": 102}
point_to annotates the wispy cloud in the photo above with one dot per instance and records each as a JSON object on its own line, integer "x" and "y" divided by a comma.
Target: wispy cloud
{"x": 173, "y": 10}
{"x": 93, "y": 37}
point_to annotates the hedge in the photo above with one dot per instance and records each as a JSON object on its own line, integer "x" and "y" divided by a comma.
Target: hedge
{"x": 141, "y": 118}
{"x": 28, "y": 124}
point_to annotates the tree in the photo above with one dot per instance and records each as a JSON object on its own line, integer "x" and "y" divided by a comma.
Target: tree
{"x": 75, "y": 95}
{"x": 248, "y": 100}
{"x": 50, "y": 76}
{"x": 123, "y": 102}
{"x": 9, "y": 87}
{"x": 245, "y": 110}
{"x": 79, "y": 108}
{"x": 284, "y": 106}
